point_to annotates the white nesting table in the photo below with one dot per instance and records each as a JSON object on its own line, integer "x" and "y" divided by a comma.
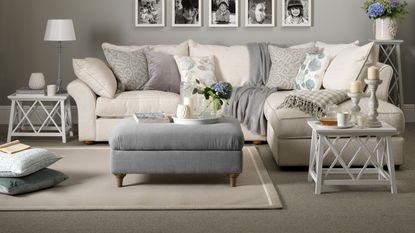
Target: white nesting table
{"x": 37, "y": 115}
{"x": 323, "y": 144}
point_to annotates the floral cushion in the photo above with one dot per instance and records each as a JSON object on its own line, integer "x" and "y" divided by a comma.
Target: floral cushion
{"x": 192, "y": 68}
{"x": 310, "y": 75}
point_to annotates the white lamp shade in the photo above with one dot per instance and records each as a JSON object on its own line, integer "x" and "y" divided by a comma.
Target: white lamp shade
{"x": 59, "y": 30}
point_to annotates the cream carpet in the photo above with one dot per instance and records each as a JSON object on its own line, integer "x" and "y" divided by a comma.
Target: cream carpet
{"x": 91, "y": 187}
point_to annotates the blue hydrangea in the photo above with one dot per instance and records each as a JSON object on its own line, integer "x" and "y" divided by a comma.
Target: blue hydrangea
{"x": 376, "y": 10}
{"x": 224, "y": 89}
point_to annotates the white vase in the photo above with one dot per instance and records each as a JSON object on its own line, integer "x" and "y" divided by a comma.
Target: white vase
{"x": 36, "y": 81}
{"x": 385, "y": 28}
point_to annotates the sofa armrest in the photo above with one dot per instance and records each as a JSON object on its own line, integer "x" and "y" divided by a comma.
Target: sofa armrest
{"x": 85, "y": 100}
{"x": 385, "y": 74}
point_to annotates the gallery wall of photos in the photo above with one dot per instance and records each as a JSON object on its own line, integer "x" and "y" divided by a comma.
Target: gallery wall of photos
{"x": 223, "y": 13}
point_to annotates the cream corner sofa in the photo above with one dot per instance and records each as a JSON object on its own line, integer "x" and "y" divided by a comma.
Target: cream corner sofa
{"x": 287, "y": 132}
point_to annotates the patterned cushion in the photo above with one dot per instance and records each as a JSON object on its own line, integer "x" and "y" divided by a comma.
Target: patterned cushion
{"x": 310, "y": 76}
{"x": 25, "y": 162}
{"x": 42, "y": 179}
{"x": 129, "y": 67}
{"x": 192, "y": 68}
{"x": 285, "y": 65}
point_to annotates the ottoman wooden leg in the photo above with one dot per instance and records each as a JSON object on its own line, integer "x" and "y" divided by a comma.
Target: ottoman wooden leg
{"x": 232, "y": 179}
{"x": 119, "y": 178}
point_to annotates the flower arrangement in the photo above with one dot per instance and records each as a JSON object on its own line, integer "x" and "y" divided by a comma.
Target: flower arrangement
{"x": 385, "y": 8}
{"x": 219, "y": 93}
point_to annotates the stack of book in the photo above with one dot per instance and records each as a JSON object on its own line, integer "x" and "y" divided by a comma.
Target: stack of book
{"x": 13, "y": 147}
{"x": 26, "y": 91}
{"x": 151, "y": 117}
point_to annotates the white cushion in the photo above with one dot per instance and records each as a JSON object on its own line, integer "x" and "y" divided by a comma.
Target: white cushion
{"x": 96, "y": 75}
{"x": 196, "y": 68}
{"x": 126, "y": 103}
{"x": 332, "y": 50}
{"x": 25, "y": 162}
{"x": 303, "y": 46}
{"x": 181, "y": 49}
{"x": 346, "y": 67}
{"x": 232, "y": 62}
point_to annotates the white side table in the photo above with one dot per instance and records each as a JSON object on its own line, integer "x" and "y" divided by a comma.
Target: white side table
{"x": 323, "y": 144}
{"x": 39, "y": 116}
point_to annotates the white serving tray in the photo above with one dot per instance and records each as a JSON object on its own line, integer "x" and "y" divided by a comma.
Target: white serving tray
{"x": 195, "y": 121}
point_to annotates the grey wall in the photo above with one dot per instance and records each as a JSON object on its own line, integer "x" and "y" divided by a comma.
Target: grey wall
{"x": 23, "y": 51}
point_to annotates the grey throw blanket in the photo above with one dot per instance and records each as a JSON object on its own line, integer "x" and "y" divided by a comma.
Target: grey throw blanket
{"x": 247, "y": 102}
{"x": 314, "y": 102}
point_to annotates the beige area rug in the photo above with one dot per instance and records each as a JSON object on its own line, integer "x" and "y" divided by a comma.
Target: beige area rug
{"x": 91, "y": 187}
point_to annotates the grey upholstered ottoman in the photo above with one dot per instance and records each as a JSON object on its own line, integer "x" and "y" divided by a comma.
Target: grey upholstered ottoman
{"x": 176, "y": 149}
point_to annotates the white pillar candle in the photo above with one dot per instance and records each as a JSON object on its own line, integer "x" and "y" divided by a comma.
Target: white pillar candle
{"x": 373, "y": 73}
{"x": 356, "y": 87}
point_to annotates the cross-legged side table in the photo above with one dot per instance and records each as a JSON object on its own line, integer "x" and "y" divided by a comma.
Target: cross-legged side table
{"x": 40, "y": 116}
{"x": 324, "y": 143}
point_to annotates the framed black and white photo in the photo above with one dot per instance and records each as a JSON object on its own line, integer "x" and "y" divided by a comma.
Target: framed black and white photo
{"x": 260, "y": 13}
{"x": 149, "y": 13}
{"x": 187, "y": 13}
{"x": 296, "y": 13}
{"x": 223, "y": 13}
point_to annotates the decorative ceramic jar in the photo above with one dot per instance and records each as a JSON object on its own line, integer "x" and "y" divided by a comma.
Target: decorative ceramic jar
{"x": 183, "y": 111}
{"x": 37, "y": 81}
{"x": 385, "y": 28}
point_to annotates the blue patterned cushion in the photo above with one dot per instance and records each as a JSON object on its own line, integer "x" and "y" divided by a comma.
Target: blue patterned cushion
{"x": 192, "y": 68}
{"x": 310, "y": 75}
{"x": 129, "y": 67}
{"x": 42, "y": 179}
{"x": 25, "y": 162}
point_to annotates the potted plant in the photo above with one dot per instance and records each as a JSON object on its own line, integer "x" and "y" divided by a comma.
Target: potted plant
{"x": 385, "y": 13}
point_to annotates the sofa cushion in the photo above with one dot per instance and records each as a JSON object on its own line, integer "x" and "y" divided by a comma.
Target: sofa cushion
{"x": 332, "y": 50}
{"x": 96, "y": 75}
{"x": 163, "y": 72}
{"x": 181, "y": 49}
{"x": 200, "y": 68}
{"x": 231, "y": 62}
{"x": 126, "y": 103}
{"x": 346, "y": 67}
{"x": 310, "y": 75}
{"x": 130, "y": 68}
{"x": 285, "y": 65}
{"x": 292, "y": 123}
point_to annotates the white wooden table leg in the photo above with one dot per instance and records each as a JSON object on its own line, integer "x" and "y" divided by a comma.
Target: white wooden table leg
{"x": 63, "y": 121}
{"x": 69, "y": 120}
{"x": 312, "y": 155}
{"x": 11, "y": 121}
{"x": 319, "y": 164}
{"x": 391, "y": 165}
{"x": 379, "y": 152}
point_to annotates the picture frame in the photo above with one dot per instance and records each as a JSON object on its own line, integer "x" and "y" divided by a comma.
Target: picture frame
{"x": 227, "y": 16}
{"x": 187, "y": 13}
{"x": 149, "y": 13}
{"x": 302, "y": 7}
{"x": 260, "y": 13}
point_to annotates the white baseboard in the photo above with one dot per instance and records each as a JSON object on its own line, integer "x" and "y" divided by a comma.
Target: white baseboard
{"x": 5, "y": 114}
{"x": 408, "y": 110}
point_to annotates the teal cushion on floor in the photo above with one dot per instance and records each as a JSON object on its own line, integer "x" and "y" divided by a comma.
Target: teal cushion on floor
{"x": 42, "y": 179}
{"x": 26, "y": 162}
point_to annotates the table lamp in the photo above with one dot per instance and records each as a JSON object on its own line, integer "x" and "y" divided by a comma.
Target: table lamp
{"x": 59, "y": 30}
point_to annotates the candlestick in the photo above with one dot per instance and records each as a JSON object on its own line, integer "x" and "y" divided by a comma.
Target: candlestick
{"x": 373, "y": 73}
{"x": 355, "y": 97}
{"x": 372, "y": 121}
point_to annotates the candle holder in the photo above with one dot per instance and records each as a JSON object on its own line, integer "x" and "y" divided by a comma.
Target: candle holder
{"x": 372, "y": 121}
{"x": 355, "y": 97}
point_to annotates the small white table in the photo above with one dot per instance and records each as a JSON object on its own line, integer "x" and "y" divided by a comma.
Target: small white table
{"x": 37, "y": 115}
{"x": 323, "y": 144}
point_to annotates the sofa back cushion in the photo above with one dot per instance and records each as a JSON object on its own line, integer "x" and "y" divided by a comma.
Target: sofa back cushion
{"x": 231, "y": 62}
{"x": 181, "y": 49}
{"x": 332, "y": 50}
{"x": 97, "y": 75}
{"x": 346, "y": 67}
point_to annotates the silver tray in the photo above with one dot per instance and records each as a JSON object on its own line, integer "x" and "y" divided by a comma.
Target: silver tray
{"x": 195, "y": 121}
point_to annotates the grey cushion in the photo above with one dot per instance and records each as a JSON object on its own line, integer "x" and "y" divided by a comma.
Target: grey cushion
{"x": 42, "y": 179}
{"x": 286, "y": 63}
{"x": 129, "y": 135}
{"x": 129, "y": 67}
{"x": 25, "y": 162}
{"x": 163, "y": 72}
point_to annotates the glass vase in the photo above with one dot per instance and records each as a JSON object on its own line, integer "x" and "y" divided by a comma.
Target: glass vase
{"x": 186, "y": 96}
